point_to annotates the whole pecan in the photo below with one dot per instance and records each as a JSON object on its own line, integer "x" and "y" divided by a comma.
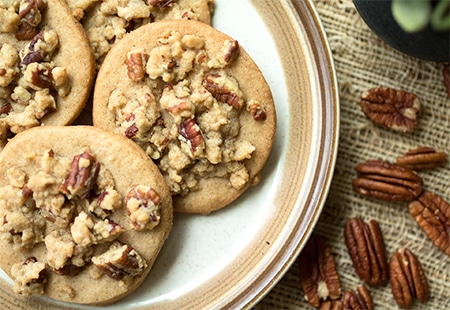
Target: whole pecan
{"x": 432, "y": 214}
{"x": 422, "y": 158}
{"x": 318, "y": 274}
{"x": 357, "y": 300}
{"x": 392, "y": 108}
{"x": 366, "y": 248}
{"x": 385, "y": 181}
{"x": 408, "y": 281}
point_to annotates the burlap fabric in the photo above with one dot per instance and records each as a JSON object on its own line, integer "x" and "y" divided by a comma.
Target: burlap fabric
{"x": 363, "y": 61}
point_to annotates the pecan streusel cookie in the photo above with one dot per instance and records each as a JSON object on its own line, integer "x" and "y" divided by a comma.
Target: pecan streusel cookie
{"x": 83, "y": 214}
{"x": 196, "y": 102}
{"x": 46, "y": 65}
{"x": 107, "y": 21}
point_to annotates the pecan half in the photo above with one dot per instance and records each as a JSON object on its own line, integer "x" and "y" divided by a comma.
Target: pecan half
{"x": 395, "y": 109}
{"x": 224, "y": 89}
{"x": 192, "y": 134}
{"x": 135, "y": 63}
{"x": 82, "y": 175}
{"x": 422, "y": 158}
{"x": 432, "y": 214}
{"x": 318, "y": 274}
{"x": 385, "y": 181}
{"x": 357, "y": 300}
{"x": 366, "y": 248}
{"x": 408, "y": 280}
{"x": 120, "y": 261}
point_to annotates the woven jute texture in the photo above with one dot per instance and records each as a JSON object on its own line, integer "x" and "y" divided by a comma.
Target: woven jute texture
{"x": 363, "y": 61}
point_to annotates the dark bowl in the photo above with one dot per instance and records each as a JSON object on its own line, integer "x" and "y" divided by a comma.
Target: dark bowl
{"x": 426, "y": 44}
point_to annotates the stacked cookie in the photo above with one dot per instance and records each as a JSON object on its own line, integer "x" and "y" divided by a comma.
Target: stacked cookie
{"x": 183, "y": 120}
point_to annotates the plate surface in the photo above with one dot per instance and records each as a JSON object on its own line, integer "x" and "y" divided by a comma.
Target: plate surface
{"x": 231, "y": 258}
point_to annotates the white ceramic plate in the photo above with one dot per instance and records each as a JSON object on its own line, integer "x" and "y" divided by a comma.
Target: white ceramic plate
{"x": 231, "y": 258}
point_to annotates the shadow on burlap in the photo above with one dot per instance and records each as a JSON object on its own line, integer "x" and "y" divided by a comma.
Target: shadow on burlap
{"x": 363, "y": 61}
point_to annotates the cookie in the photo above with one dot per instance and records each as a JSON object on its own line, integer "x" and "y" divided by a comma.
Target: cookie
{"x": 46, "y": 66}
{"x": 83, "y": 214}
{"x": 107, "y": 21}
{"x": 196, "y": 102}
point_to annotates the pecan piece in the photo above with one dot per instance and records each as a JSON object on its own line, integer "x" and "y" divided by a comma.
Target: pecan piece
{"x": 120, "y": 261}
{"x": 135, "y": 63}
{"x": 318, "y": 273}
{"x": 224, "y": 89}
{"x": 192, "y": 134}
{"x": 357, "y": 300}
{"x": 82, "y": 176}
{"x": 230, "y": 49}
{"x": 422, "y": 158}
{"x": 366, "y": 248}
{"x": 385, "y": 181}
{"x": 408, "y": 280}
{"x": 4, "y": 109}
{"x": 30, "y": 17}
{"x": 39, "y": 75}
{"x": 256, "y": 111}
{"x": 142, "y": 205}
{"x": 161, "y": 3}
{"x": 395, "y": 109}
{"x": 432, "y": 214}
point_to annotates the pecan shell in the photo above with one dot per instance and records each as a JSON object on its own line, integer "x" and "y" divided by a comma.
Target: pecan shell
{"x": 318, "y": 274}
{"x": 392, "y": 108}
{"x": 366, "y": 248}
{"x": 422, "y": 158}
{"x": 408, "y": 280}
{"x": 385, "y": 181}
{"x": 432, "y": 214}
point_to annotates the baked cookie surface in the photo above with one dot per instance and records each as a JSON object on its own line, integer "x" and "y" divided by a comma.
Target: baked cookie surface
{"x": 196, "y": 102}
{"x": 83, "y": 214}
{"x": 46, "y": 65}
{"x": 107, "y": 21}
